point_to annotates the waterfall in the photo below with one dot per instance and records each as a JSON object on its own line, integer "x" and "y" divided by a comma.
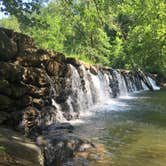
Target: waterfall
{"x": 153, "y": 83}
{"x": 77, "y": 99}
{"x": 123, "y": 91}
{"x": 144, "y": 86}
{"x": 87, "y": 89}
{"x": 52, "y": 94}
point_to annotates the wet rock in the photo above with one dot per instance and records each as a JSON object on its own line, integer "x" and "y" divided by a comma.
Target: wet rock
{"x": 125, "y": 71}
{"x": 144, "y": 78}
{"x": 38, "y": 103}
{"x": 48, "y": 115}
{"x": 30, "y": 122}
{"x": 17, "y": 150}
{"x": 163, "y": 85}
{"x": 60, "y": 147}
{"x": 93, "y": 70}
{"x": 73, "y": 61}
{"x": 59, "y": 126}
{"x": 54, "y": 68}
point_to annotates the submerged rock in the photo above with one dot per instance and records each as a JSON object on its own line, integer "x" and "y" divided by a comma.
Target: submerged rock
{"x": 59, "y": 126}
{"x": 58, "y": 147}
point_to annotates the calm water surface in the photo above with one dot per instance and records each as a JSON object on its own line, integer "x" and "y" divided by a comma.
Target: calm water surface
{"x": 132, "y": 129}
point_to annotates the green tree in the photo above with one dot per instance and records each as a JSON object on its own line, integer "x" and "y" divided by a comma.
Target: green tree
{"x": 10, "y": 23}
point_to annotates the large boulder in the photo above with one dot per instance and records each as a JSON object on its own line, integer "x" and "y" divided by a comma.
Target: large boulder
{"x": 59, "y": 145}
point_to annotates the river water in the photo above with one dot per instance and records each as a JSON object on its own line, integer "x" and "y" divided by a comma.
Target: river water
{"x": 132, "y": 129}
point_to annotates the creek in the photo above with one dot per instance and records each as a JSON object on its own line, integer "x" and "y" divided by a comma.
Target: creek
{"x": 132, "y": 129}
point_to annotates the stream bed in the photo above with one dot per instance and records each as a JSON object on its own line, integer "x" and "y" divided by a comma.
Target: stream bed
{"x": 132, "y": 129}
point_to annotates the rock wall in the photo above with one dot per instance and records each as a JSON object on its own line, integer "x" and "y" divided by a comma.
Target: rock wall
{"x": 40, "y": 87}
{"x": 23, "y": 80}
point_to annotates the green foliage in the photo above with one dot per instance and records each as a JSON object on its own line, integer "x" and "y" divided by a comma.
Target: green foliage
{"x": 10, "y": 23}
{"x": 23, "y": 10}
{"x": 121, "y": 34}
{"x": 52, "y": 36}
{"x": 75, "y": 29}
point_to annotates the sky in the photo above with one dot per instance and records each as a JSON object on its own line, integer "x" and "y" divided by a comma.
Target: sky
{"x": 2, "y": 15}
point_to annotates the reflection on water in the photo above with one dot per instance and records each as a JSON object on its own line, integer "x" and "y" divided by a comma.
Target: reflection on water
{"x": 133, "y": 130}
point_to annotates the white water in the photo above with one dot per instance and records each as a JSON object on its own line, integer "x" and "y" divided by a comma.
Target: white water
{"x": 122, "y": 85}
{"x": 59, "y": 115}
{"x": 144, "y": 86}
{"x": 91, "y": 92}
{"x": 153, "y": 83}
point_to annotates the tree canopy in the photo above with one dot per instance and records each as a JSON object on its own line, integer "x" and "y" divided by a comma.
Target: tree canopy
{"x": 121, "y": 34}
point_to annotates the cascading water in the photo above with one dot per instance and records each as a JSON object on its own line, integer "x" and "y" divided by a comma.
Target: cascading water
{"x": 144, "y": 86}
{"x": 57, "y": 113}
{"x": 76, "y": 100}
{"x": 121, "y": 83}
{"x": 88, "y": 90}
{"x": 153, "y": 83}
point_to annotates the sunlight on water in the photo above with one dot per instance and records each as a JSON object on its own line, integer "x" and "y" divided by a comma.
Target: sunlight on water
{"x": 132, "y": 130}
{"x": 145, "y": 144}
